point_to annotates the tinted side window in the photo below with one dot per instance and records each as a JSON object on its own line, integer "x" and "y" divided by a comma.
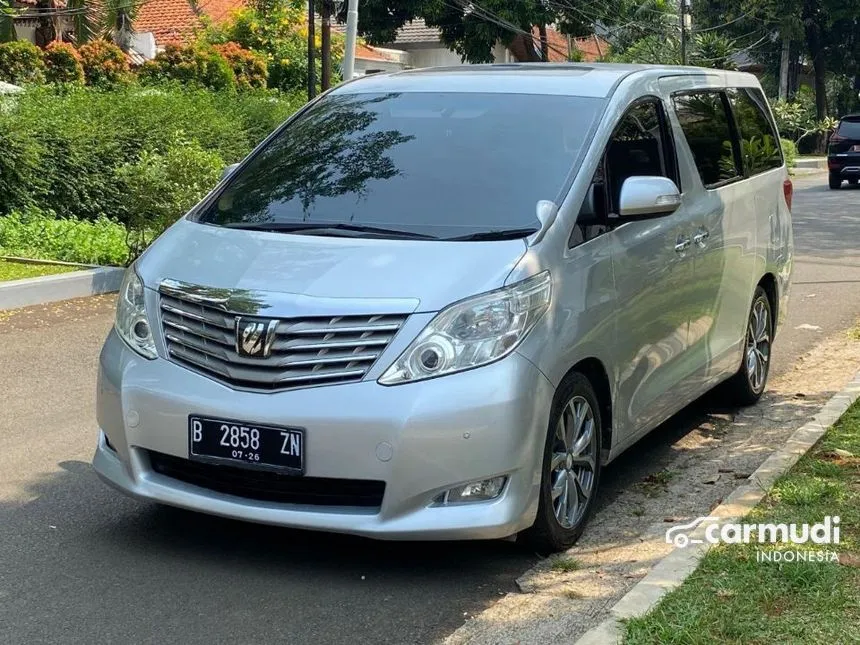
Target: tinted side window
{"x": 707, "y": 129}
{"x": 760, "y": 145}
{"x": 640, "y": 146}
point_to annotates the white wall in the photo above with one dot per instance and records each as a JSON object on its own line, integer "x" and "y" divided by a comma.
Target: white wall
{"x": 361, "y": 66}
{"x": 25, "y": 32}
{"x": 443, "y": 57}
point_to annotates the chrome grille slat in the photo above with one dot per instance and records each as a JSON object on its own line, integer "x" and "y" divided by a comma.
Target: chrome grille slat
{"x": 222, "y": 338}
{"x": 337, "y": 344}
{"x": 305, "y": 352}
{"x": 244, "y": 374}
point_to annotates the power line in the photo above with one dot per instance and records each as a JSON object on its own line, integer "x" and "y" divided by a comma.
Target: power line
{"x": 472, "y": 8}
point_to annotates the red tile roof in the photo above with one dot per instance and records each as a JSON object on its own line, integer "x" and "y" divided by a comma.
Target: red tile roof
{"x": 593, "y": 48}
{"x": 366, "y": 52}
{"x": 174, "y": 20}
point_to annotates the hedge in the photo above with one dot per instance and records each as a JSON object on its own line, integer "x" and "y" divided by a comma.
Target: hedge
{"x": 63, "y": 64}
{"x": 70, "y": 151}
{"x": 21, "y": 63}
{"x": 199, "y": 65}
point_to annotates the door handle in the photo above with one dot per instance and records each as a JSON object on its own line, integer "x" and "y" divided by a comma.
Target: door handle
{"x": 700, "y": 239}
{"x": 682, "y": 244}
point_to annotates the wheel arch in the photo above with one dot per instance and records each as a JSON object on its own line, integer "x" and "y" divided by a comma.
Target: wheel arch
{"x": 768, "y": 283}
{"x": 594, "y": 370}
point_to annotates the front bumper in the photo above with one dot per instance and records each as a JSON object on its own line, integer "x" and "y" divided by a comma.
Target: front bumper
{"x": 420, "y": 439}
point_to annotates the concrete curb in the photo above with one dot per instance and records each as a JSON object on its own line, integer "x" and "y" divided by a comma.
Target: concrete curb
{"x": 819, "y": 163}
{"x": 672, "y": 570}
{"x": 51, "y": 288}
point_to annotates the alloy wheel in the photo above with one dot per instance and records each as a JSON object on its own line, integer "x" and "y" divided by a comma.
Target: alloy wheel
{"x": 758, "y": 346}
{"x": 574, "y": 458}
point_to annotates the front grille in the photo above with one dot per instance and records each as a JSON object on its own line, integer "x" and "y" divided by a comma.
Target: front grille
{"x": 305, "y": 351}
{"x": 266, "y": 486}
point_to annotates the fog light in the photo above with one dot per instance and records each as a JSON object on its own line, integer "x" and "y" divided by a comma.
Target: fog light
{"x": 479, "y": 491}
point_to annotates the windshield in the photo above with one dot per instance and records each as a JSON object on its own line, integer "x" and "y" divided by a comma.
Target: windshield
{"x": 434, "y": 165}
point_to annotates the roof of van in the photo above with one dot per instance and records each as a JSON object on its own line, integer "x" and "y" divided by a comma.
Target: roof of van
{"x": 572, "y": 79}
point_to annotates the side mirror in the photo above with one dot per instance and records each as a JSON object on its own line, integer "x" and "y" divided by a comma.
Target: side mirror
{"x": 643, "y": 197}
{"x": 228, "y": 171}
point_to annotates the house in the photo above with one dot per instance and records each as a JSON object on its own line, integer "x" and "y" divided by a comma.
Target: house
{"x": 28, "y": 26}
{"x": 159, "y": 22}
{"x": 172, "y": 21}
{"x": 424, "y": 48}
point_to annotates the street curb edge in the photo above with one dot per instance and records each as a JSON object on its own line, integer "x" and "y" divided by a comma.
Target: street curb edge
{"x": 672, "y": 570}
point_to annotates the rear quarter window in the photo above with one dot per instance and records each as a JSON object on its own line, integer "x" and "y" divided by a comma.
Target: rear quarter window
{"x": 760, "y": 147}
{"x": 704, "y": 119}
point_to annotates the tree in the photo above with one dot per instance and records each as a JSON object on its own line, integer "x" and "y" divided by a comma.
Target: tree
{"x": 826, "y": 32}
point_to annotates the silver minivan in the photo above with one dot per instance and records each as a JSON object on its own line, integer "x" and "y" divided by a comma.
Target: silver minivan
{"x": 433, "y": 304}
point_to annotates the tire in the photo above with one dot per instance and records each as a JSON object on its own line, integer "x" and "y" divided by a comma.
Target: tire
{"x": 835, "y": 182}
{"x": 747, "y": 386}
{"x": 558, "y": 524}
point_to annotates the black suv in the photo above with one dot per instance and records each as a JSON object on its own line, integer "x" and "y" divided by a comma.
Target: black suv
{"x": 843, "y": 155}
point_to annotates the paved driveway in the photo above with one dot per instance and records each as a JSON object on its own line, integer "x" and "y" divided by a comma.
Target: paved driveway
{"x": 80, "y": 564}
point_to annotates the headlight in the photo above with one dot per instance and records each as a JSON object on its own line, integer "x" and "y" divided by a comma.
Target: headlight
{"x": 131, "y": 322}
{"x": 473, "y": 332}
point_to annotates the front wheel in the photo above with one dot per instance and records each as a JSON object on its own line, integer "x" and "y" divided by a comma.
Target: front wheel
{"x": 570, "y": 469}
{"x": 747, "y": 386}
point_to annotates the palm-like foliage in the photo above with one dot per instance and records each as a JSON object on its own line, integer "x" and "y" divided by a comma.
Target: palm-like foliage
{"x": 84, "y": 25}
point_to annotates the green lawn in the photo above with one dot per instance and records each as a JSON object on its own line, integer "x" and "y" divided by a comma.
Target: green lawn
{"x": 733, "y": 598}
{"x": 18, "y": 270}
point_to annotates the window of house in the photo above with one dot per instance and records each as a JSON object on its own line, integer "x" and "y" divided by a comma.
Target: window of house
{"x": 760, "y": 147}
{"x": 640, "y": 146}
{"x": 704, "y": 118}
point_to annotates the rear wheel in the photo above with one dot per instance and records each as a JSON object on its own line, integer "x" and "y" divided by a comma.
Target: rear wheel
{"x": 747, "y": 386}
{"x": 835, "y": 182}
{"x": 571, "y": 467}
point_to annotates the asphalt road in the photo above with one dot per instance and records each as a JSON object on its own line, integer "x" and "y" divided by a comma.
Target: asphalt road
{"x": 81, "y": 564}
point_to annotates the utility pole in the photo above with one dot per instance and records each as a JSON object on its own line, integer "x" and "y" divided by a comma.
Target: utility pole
{"x": 312, "y": 70}
{"x": 683, "y": 20}
{"x": 351, "y": 35}
{"x": 784, "y": 60}
{"x": 325, "y": 54}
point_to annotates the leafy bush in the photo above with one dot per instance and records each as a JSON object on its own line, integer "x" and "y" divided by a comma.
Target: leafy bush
{"x": 63, "y": 64}
{"x": 280, "y": 34}
{"x": 40, "y": 234}
{"x": 789, "y": 151}
{"x": 162, "y": 187}
{"x": 64, "y": 151}
{"x": 190, "y": 65}
{"x": 21, "y": 63}
{"x": 248, "y": 67}
{"x": 104, "y": 64}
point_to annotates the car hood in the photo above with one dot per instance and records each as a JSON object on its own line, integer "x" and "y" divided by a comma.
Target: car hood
{"x": 396, "y": 275}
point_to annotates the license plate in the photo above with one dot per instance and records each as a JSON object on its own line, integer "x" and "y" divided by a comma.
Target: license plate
{"x": 248, "y": 444}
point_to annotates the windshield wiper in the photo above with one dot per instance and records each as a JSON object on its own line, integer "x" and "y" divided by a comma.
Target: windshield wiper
{"x": 498, "y": 234}
{"x": 335, "y": 229}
